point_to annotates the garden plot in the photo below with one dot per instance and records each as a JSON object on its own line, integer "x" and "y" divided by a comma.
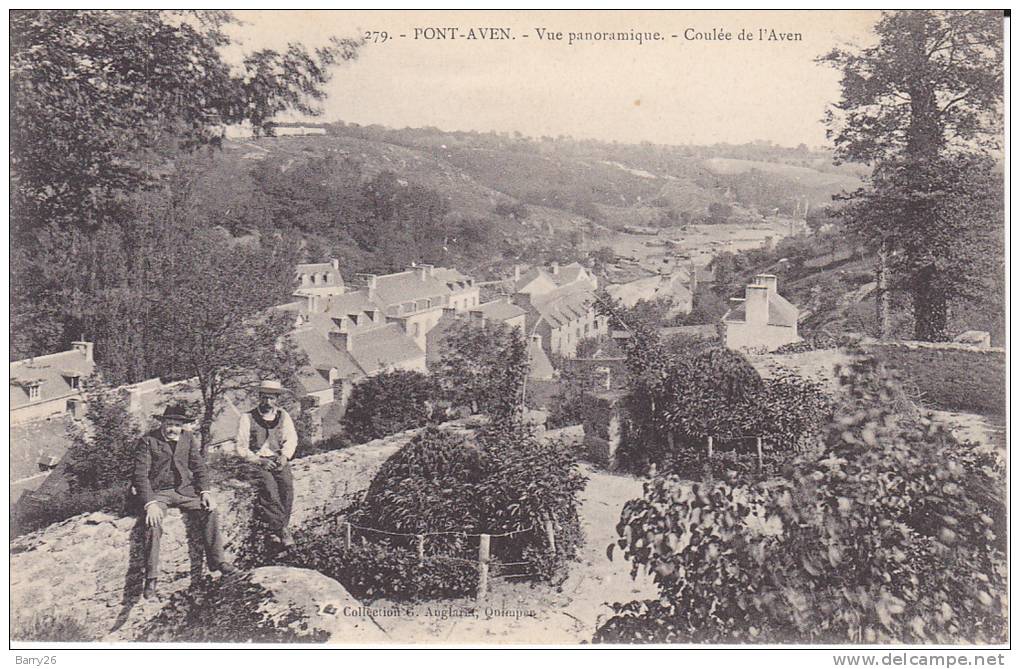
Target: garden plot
{"x": 524, "y": 613}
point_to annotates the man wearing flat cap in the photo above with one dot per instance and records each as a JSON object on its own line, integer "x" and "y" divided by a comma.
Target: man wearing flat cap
{"x": 266, "y": 436}
{"x": 170, "y": 472}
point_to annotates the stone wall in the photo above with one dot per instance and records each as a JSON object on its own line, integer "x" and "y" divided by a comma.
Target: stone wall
{"x": 88, "y": 568}
{"x": 953, "y": 377}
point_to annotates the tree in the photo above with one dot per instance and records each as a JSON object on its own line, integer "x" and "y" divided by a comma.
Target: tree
{"x": 101, "y": 103}
{"x": 388, "y": 403}
{"x": 892, "y": 532}
{"x": 101, "y": 451}
{"x": 484, "y": 367}
{"x": 216, "y": 324}
{"x": 928, "y": 93}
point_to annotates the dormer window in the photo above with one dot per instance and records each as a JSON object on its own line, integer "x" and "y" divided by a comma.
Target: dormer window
{"x": 73, "y": 378}
{"x": 33, "y": 391}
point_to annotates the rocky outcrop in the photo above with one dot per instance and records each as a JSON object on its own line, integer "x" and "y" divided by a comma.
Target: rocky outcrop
{"x": 267, "y": 605}
{"x": 88, "y": 568}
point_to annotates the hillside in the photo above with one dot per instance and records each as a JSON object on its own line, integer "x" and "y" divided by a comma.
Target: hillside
{"x": 483, "y": 200}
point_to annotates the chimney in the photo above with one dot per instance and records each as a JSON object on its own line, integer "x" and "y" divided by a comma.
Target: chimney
{"x": 83, "y": 347}
{"x": 756, "y": 304}
{"x": 555, "y": 269}
{"x": 368, "y": 279}
{"x": 335, "y": 263}
{"x": 767, "y": 280}
{"x": 420, "y": 272}
{"x": 517, "y": 273}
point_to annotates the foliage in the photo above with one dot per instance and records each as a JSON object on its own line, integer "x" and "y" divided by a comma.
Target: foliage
{"x": 51, "y": 628}
{"x": 225, "y": 611}
{"x": 943, "y": 219}
{"x": 34, "y": 514}
{"x": 893, "y": 533}
{"x": 101, "y": 454}
{"x": 933, "y": 79}
{"x": 388, "y": 403}
{"x": 447, "y": 486}
{"x": 371, "y": 571}
{"x": 925, "y": 104}
{"x": 484, "y": 367}
{"x": 104, "y": 106}
{"x": 99, "y": 97}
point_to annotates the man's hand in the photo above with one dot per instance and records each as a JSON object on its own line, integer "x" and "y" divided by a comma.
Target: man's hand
{"x": 281, "y": 462}
{"x": 208, "y": 501}
{"x": 154, "y": 515}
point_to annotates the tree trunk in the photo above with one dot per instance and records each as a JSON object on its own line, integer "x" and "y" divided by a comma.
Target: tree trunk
{"x": 882, "y": 293}
{"x": 931, "y": 313}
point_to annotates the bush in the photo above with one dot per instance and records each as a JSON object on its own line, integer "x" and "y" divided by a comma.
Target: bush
{"x": 893, "y": 533}
{"x": 102, "y": 455}
{"x": 371, "y": 570}
{"x": 36, "y": 514}
{"x": 223, "y": 611}
{"x": 386, "y": 404}
{"x": 451, "y": 488}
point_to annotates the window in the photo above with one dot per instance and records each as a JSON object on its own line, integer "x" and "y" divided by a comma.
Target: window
{"x": 33, "y": 391}
{"x": 313, "y": 279}
{"x": 325, "y": 278}
{"x": 74, "y": 382}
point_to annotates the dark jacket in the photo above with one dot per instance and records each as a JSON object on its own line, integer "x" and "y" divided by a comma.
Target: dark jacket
{"x": 159, "y": 465}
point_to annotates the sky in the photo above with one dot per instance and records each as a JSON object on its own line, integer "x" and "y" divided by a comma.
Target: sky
{"x": 675, "y": 91}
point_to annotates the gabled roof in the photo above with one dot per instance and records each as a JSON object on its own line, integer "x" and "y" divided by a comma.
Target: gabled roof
{"x": 324, "y": 356}
{"x": 540, "y": 279}
{"x": 563, "y": 305}
{"x": 650, "y": 288}
{"x": 499, "y": 310}
{"x": 781, "y": 312}
{"x": 384, "y": 347}
{"x": 51, "y": 373}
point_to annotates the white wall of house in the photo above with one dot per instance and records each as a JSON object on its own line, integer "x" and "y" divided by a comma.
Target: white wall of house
{"x": 744, "y": 336}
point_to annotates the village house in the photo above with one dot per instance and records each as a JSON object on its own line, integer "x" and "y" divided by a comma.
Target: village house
{"x": 501, "y": 312}
{"x": 762, "y": 319}
{"x": 559, "y": 303}
{"x": 382, "y": 324}
{"x": 321, "y": 278}
{"x": 676, "y": 286}
{"x": 38, "y": 446}
{"x": 49, "y": 384}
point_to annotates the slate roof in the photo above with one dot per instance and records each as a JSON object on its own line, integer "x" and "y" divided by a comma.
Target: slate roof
{"x": 324, "y": 356}
{"x": 651, "y": 288}
{"x": 781, "y": 312}
{"x": 50, "y": 371}
{"x": 565, "y": 275}
{"x": 563, "y": 305}
{"x": 499, "y": 310}
{"x": 382, "y": 347}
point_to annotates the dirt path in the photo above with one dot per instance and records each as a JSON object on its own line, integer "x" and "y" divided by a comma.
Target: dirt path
{"x": 540, "y": 613}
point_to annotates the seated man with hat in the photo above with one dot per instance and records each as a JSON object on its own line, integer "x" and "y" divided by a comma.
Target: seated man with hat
{"x": 170, "y": 472}
{"x": 267, "y": 437}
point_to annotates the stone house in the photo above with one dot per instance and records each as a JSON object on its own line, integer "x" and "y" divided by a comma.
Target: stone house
{"x": 559, "y": 306}
{"x": 49, "y": 384}
{"x": 762, "y": 319}
{"x": 321, "y": 278}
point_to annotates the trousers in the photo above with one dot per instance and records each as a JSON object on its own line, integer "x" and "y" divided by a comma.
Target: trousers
{"x": 209, "y": 521}
{"x": 276, "y": 497}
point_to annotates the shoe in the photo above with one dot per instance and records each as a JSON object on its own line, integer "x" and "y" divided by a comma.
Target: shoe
{"x": 227, "y": 569}
{"x": 149, "y": 592}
